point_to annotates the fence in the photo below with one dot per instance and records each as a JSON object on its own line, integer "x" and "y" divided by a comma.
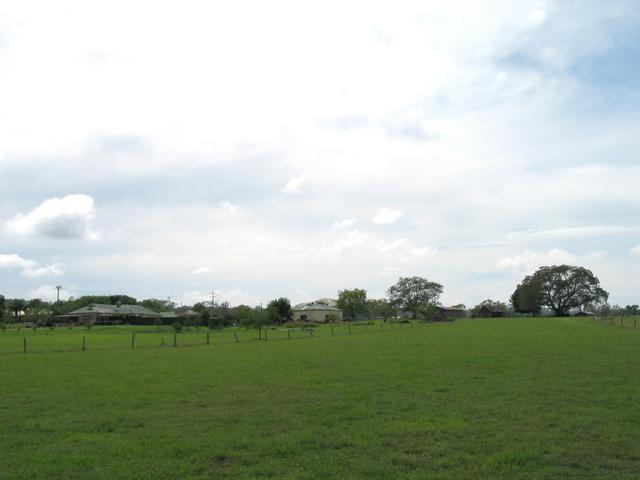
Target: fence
{"x": 45, "y": 340}
{"x": 629, "y": 321}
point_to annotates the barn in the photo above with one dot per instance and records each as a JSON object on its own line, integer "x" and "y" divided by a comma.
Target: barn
{"x": 450, "y": 313}
{"x": 490, "y": 311}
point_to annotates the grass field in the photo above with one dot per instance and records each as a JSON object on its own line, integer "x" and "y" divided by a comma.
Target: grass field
{"x": 507, "y": 398}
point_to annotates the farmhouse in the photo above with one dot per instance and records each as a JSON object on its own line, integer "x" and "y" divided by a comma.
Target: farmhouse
{"x": 321, "y": 311}
{"x": 490, "y": 311}
{"x": 102, "y": 314}
{"x": 450, "y": 313}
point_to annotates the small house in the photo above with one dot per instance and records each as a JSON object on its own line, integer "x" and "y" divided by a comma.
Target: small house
{"x": 319, "y": 311}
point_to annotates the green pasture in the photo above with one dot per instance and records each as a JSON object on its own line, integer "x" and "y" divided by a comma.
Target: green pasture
{"x": 473, "y": 399}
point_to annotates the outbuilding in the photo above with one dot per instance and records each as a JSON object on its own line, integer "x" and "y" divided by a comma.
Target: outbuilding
{"x": 490, "y": 311}
{"x": 319, "y": 311}
{"x": 450, "y": 313}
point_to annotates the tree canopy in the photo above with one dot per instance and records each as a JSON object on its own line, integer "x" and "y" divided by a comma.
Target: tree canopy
{"x": 413, "y": 293}
{"x": 560, "y": 288}
{"x": 282, "y": 307}
{"x": 352, "y": 302}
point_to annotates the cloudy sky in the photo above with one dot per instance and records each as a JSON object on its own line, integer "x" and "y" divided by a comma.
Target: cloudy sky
{"x": 264, "y": 149}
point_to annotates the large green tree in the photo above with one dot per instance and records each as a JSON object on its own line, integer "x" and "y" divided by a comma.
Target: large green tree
{"x": 412, "y": 294}
{"x": 560, "y": 288}
{"x": 283, "y": 307}
{"x": 352, "y": 302}
{"x": 380, "y": 308}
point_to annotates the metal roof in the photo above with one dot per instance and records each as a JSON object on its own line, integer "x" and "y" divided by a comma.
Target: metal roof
{"x": 103, "y": 309}
{"x": 315, "y": 306}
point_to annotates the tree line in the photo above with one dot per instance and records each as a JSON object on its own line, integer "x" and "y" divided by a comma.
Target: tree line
{"x": 556, "y": 290}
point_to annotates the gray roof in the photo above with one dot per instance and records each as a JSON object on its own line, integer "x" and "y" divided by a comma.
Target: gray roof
{"x": 305, "y": 307}
{"x": 103, "y": 309}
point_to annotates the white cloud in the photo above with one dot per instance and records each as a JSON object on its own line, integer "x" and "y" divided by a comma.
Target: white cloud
{"x": 343, "y": 223}
{"x": 66, "y": 217}
{"x": 29, "y": 268}
{"x": 568, "y": 232}
{"x": 636, "y": 250}
{"x": 387, "y": 216}
{"x": 229, "y": 207}
{"x": 596, "y": 255}
{"x": 202, "y": 270}
{"x": 294, "y": 185}
{"x": 529, "y": 261}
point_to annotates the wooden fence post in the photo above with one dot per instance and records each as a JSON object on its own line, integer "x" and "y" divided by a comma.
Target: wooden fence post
{"x": 381, "y": 326}
{"x": 175, "y": 339}
{"x": 311, "y": 332}
{"x": 133, "y": 341}
{"x": 24, "y": 345}
{"x": 332, "y": 330}
{"x": 235, "y": 335}
{"x": 84, "y": 345}
{"x": 366, "y": 327}
{"x": 289, "y": 333}
{"x": 208, "y": 342}
{"x": 259, "y": 333}
{"x": 635, "y": 322}
{"x": 349, "y": 329}
{"x": 162, "y": 341}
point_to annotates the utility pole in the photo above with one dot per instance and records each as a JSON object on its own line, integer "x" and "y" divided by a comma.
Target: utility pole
{"x": 58, "y": 287}
{"x": 213, "y": 299}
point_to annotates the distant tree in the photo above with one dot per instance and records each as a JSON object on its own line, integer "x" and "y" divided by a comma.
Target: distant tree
{"x": 632, "y": 310}
{"x": 158, "y": 305}
{"x": 122, "y": 300}
{"x": 352, "y": 302}
{"x": 283, "y": 307}
{"x": 493, "y": 304}
{"x": 2, "y": 307}
{"x": 380, "y": 308}
{"x": 17, "y": 306}
{"x": 560, "y": 288}
{"x": 413, "y": 293}
{"x": 243, "y": 315}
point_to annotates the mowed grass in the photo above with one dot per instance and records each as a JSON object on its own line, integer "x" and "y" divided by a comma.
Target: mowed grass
{"x": 504, "y": 398}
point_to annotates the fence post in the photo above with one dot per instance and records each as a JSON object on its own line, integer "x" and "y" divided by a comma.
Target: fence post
{"x": 311, "y": 332}
{"x": 332, "y": 330}
{"x": 162, "y": 341}
{"x": 289, "y": 333}
{"x": 24, "y": 345}
{"x": 133, "y": 341}
{"x": 175, "y": 339}
{"x": 84, "y": 340}
{"x": 381, "y": 326}
{"x": 208, "y": 337}
{"x": 349, "y": 329}
{"x": 391, "y": 325}
{"x": 635, "y": 322}
{"x": 265, "y": 334}
{"x": 259, "y": 333}
{"x": 366, "y": 327}
{"x": 235, "y": 335}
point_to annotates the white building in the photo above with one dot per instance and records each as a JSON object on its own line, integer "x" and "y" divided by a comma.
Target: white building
{"x": 319, "y": 311}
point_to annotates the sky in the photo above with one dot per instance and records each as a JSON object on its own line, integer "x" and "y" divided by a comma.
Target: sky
{"x": 266, "y": 149}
